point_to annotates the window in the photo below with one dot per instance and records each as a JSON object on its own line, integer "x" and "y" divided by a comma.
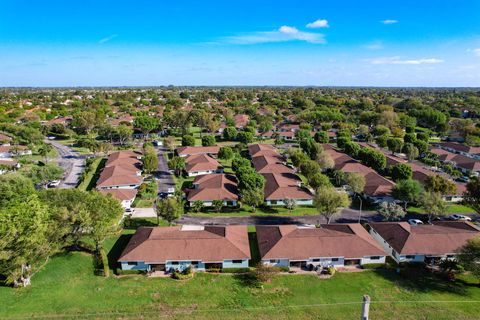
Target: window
{"x": 175, "y": 263}
{"x": 409, "y": 257}
{"x": 237, "y": 261}
{"x": 194, "y": 263}
{"x": 375, "y": 258}
{"x": 334, "y": 259}
{"x": 132, "y": 263}
{"x": 315, "y": 260}
{"x": 273, "y": 201}
{"x": 273, "y": 261}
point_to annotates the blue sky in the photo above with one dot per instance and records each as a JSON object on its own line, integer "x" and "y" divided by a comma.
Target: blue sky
{"x": 324, "y": 43}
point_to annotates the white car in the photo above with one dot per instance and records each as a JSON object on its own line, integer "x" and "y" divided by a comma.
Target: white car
{"x": 53, "y": 183}
{"x": 459, "y": 217}
{"x": 414, "y": 222}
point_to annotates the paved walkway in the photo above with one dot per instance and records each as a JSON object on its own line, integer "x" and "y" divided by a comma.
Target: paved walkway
{"x": 72, "y": 163}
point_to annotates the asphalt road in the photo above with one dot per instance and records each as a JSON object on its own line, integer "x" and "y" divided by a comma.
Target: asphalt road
{"x": 346, "y": 215}
{"x": 72, "y": 163}
{"x": 163, "y": 176}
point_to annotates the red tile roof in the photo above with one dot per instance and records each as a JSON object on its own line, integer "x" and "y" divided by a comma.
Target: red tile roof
{"x": 201, "y": 162}
{"x": 214, "y": 187}
{"x": 188, "y": 151}
{"x": 121, "y": 194}
{"x": 211, "y": 244}
{"x": 284, "y": 186}
{"x": 333, "y": 240}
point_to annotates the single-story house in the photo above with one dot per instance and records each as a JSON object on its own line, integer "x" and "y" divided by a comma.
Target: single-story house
{"x": 121, "y": 171}
{"x": 199, "y": 164}
{"x": 125, "y": 196}
{"x": 423, "y": 243}
{"x": 4, "y": 138}
{"x": 190, "y": 151}
{"x": 282, "y": 186}
{"x": 240, "y": 120}
{"x": 468, "y": 165}
{"x": 330, "y": 244}
{"x": 178, "y": 247}
{"x": 258, "y": 149}
{"x": 8, "y": 151}
{"x": 271, "y": 164}
{"x": 210, "y": 187}
{"x": 7, "y": 165}
{"x": 460, "y": 148}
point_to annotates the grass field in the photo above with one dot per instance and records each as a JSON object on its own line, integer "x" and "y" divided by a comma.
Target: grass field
{"x": 92, "y": 175}
{"x": 67, "y": 288}
{"x": 451, "y": 209}
{"x": 246, "y": 211}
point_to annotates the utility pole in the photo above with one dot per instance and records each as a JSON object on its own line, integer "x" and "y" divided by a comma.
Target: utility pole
{"x": 365, "y": 307}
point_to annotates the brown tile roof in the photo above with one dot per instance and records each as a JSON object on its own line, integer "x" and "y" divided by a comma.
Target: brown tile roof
{"x": 212, "y": 244}
{"x": 121, "y": 194}
{"x": 333, "y": 240}
{"x": 10, "y": 148}
{"x": 441, "y": 238}
{"x": 60, "y": 120}
{"x": 270, "y": 164}
{"x": 241, "y": 120}
{"x": 188, "y": 151}
{"x": 214, "y": 187}
{"x": 284, "y": 186}
{"x": 253, "y": 149}
{"x": 8, "y": 162}
{"x": 201, "y": 162}
{"x": 117, "y": 176}
{"x": 5, "y": 138}
{"x": 459, "y": 147}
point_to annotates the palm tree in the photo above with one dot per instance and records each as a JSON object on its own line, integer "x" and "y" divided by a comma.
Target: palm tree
{"x": 44, "y": 150}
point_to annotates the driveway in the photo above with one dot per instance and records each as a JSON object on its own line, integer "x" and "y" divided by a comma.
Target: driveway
{"x": 163, "y": 176}
{"x": 144, "y": 213}
{"x": 347, "y": 215}
{"x": 72, "y": 163}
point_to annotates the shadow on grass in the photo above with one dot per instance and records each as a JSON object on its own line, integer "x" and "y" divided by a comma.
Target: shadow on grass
{"x": 254, "y": 251}
{"x": 247, "y": 279}
{"x": 134, "y": 224}
{"x": 116, "y": 250}
{"x": 418, "y": 279}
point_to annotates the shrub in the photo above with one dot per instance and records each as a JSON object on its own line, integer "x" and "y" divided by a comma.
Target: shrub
{"x": 284, "y": 269}
{"x": 128, "y": 272}
{"x": 187, "y": 273}
{"x": 235, "y": 270}
{"x": 214, "y": 270}
{"x": 331, "y": 270}
{"x": 373, "y": 265}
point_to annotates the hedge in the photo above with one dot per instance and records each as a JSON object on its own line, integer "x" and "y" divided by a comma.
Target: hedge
{"x": 373, "y": 265}
{"x": 127, "y": 272}
{"x": 236, "y": 270}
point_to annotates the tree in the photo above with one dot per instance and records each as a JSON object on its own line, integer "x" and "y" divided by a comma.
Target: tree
{"x": 328, "y": 201}
{"x": 356, "y": 182}
{"x": 225, "y": 153}
{"x": 240, "y": 162}
{"x": 177, "y": 164}
{"x": 145, "y": 124}
{"x": 84, "y": 121}
{"x": 290, "y": 204}
{"x": 301, "y": 135}
{"x": 407, "y": 191}
{"x": 309, "y": 168}
{"x": 169, "y": 209}
{"x": 310, "y": 147}
{"x": 169, "y": 143}
{"x": 390, "y": 211}
{"x": 422, "y": 146}
{"x": 321, "y": 137}
{"x": 437, "y": 183}
{"x": 188, "y": 140}
{"x": 150, "y": 162}
{"x": 352, "y": 148}
{"x": 43, "y": 174}
{"x": 24, "y": 245}
{"x": 325, "y": 161}
{"x": 196, "y": 206}
{"x": 472, "y": 194}
{"x": 469, "y": 256}
{"x": 208, "y": 140}
{"x": 297, "y": 156}
{"x": 433, "y": 204}
{"x": 217, "y": 205}
{"x": 44, "y": 151}
{"x": 401, "y": 171}
{"x": 230, "y": 133}
{"x": 252, "y": 197}
{"x": 14, "y": 185}
{"x": 123, "y": 133}
{"x": 245, "y": 137}
{"x": 318, "y": 180}
{"x": 411, "y": 151}
{"x": 395, "y": 145}
{"x": 105, "y": 213}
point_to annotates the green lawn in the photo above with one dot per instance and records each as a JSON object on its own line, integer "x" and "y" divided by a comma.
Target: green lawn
{"x": 67, "y": 287}
{"x": 451, "y": 209}
{"x": 245, "y": 211}
{"x": 92, "y": 175}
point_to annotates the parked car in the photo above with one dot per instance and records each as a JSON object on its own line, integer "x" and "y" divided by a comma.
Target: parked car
{"x": 459, "y": 217}
{"x": 463, "y": 179}
{"x": 53, "y": 184}
{"x": 414, "y": 222}
{"x": 129, "y": 210}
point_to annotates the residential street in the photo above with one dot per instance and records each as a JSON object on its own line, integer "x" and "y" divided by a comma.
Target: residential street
{"x": 72, "y": 163}
{"x": 347, "y": 215}
{"x": 164, "y": 177}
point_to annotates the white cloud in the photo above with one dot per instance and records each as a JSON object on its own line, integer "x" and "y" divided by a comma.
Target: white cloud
{"x": 320, "y": 23}
{"x": 397, "y": 60}
{"x": 389, "y": 21}
{"x": 106, "y": 39}
{"x": 477, "y": 51}
{"x": 377, "y": 45}
{"x": 283, "y": 34}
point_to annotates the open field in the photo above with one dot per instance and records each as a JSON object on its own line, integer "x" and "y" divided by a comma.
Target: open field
{"x": 67, "y": 288}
